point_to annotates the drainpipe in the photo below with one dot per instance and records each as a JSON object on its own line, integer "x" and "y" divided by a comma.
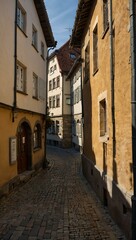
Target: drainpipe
{"x": 45, "y": 162}
{"x": 15, "y": 64}
{"x": 133, "y": 104}
{"x": 112, "y": 89}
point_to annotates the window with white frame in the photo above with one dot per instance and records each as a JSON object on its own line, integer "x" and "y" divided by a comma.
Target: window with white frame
{"x": 21, "y": 18}
{"x": 58, "y": 81}
{"x": 58, "y": 101}
{"x": 78, "y": 128}
{"x": 37, "y": 136}
{"x": 21, "y": 78}
{"x": 34, "y": 36}
{"x": 35, "y": 86}
{"x": 68, "y": 100}
{"x": 50, "y": 102}
{"x": 50, "y": 85}
{"x": 54, "y": 83}
{"x": 41, "y": 88}
{"x": 53, "y": 104}
{"x": 103, "y": 117}
{"x": 42, "y": 49}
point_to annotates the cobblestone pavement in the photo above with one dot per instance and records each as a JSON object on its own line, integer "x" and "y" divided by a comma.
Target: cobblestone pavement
{"x": 56, "y": 204}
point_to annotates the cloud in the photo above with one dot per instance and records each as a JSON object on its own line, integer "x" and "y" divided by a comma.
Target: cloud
{"x": 63, "y": 14}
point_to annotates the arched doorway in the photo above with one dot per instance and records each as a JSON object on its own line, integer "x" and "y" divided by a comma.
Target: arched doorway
{"x": 24, "y": 159}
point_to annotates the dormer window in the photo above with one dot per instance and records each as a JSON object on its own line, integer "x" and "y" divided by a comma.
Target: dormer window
{"x": 72, "y": 56}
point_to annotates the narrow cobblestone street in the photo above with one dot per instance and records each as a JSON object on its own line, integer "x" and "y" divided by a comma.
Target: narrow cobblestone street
{"x": 56, "y": 204}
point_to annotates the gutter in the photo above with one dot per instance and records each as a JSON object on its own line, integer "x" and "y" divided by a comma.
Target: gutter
{"x": 112, "y": 93}
{"x": 133, "y": 105}
{"x": 15, "y": 64}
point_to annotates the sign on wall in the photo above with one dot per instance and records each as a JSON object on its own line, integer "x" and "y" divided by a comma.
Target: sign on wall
{"x": 13, "y": 150}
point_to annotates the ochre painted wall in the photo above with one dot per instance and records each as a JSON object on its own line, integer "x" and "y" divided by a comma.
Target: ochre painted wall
{"x": 9, "y": 129}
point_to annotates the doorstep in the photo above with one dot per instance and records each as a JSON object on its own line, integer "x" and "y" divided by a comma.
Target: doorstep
{"x": 25, "y": 176}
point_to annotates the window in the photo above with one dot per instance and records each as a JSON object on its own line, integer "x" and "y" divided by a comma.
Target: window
{"x": 42, "y": 49}
{"x": 37, "y": 136}
{"x": 58, "y": 101}
{"x": 21, "y": 78}
{"x": 105, "y": 15}
{"x": 68, "y": 102}
{"x": 58, "y": 81}
{"x": 34, "y": 36}
{"x": 50, "y": 85}
{"x": 54, "y": 83}
{"x": 55, "y": 67}
{"x": 51, "y": 69}
{"x": 72, "y": 56}
{"x": 50, "y": 102}
{"x": 21, "y": 18}
{"x": 87, "y": 62}
{"x": 41, "y": 88}
{"x": 103, "y": 122}
{"x": 53, "y": 101}
{"x": 35, "y": 86}
{"x": 78, "y": 129}
{"x": 95, "y": 49}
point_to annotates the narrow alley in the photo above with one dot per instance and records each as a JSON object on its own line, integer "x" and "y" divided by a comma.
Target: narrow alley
{"x": 56, "y": 204}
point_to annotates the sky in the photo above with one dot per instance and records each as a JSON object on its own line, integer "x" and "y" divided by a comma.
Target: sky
{"x": 61, "y": 16}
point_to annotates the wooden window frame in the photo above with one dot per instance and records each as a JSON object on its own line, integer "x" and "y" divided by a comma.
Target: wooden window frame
{"x": 95, "y": 49}
{"x": 21, "y": 80}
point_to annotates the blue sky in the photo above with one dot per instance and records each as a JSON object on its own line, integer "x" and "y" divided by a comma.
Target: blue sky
{"x": 61, "y": 15}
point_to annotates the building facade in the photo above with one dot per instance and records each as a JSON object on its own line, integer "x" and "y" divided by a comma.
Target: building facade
{"x": 59, "y": 97}
{"x": 102, "y": 30}
{"x": 75, "y": 78}
{"x": 22, "y": 95}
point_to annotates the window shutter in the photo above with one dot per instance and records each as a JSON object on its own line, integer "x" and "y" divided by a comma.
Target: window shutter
{"x": 42, "y": 89}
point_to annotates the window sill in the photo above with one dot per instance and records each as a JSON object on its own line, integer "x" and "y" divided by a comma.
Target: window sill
{"x": 104, "y": 138}
{"x": 43, "y": 57}
{"x": 35, "y": 48}
{"x": 105, "y": 31}
{"x": 95, "y": 71}
{"x": 36, "y": 149}
{"x": 22, "y": 31}
{"x": 24, "y": 93}
{"x": 36, "y": 98}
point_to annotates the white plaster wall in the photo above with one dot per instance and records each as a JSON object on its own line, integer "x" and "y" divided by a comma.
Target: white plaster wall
{"x": 7, "y": 13}
{"x": 30, "y": 58}
{"x": 57, "y": 91}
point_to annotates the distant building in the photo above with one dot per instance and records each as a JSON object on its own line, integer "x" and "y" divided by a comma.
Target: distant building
{"x": 59, "y": 98}
{"x": 23, "y": 49}
{"x": 75, "y": 78}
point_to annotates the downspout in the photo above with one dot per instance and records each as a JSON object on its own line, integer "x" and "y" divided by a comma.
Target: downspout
{"x": 133, "y": 104}
{"x": 15, "y": 64}
{"x": 112, "y": 91}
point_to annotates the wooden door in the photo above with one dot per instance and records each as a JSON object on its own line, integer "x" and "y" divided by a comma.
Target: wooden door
{"x": 22, "y": 149}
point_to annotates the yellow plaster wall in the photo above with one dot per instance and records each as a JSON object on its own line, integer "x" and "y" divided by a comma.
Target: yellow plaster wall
{"x": 100, "y": 83}
{"x": 9, "y": 129}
